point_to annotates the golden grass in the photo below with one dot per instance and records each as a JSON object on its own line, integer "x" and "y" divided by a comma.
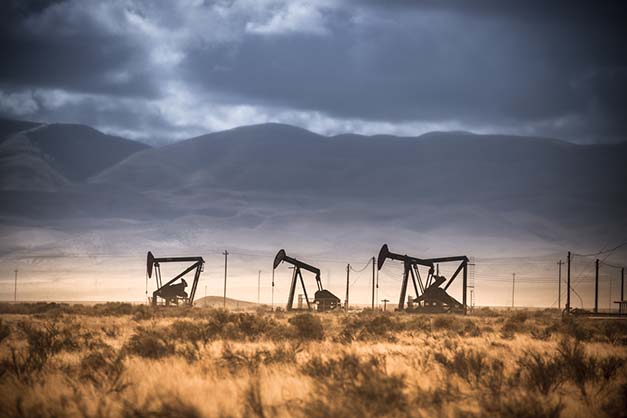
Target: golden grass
{"x": 114, "y": 362}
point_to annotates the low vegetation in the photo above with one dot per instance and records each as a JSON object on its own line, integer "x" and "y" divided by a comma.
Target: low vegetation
{"x": 120, "y": 360}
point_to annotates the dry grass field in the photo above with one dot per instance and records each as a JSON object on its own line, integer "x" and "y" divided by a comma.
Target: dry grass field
{"x": 118, "y": 360}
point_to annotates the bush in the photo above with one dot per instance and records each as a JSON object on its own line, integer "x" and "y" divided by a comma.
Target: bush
{"x": 514, "y": 324}
{"x": 189, "y": 331}
{"x": 149, "y": 343}
{"x": 104, "y": 369}
{"x": 578, "y": 366}
{"x": 573, "y": 328}
{"x": 307, "y": 326}
{"x": 5, "y": 331}
{"x": 521, "y": 406}
{"x": 348, "y": 386}
{"x": 367, "y": 326}
{"x": 468, "y": 364}
{"x": 614, "y": 331}
{"x": 540, "y": 372}
{"x": 161, "y": 407}
{"x": 445, "y": 322}
{"x": 471, "y": 329}
{"x": 43, "y": 342}
{"x": 236, "y": 360}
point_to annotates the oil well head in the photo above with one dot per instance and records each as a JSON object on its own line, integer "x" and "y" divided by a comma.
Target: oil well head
{"x": 173, "y": 291}
{"x": 326, "y": 301}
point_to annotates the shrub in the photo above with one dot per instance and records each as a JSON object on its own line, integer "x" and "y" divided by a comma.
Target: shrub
{"x": 307, "y": 326}
{"x": 348, "y": 386}
{"x": 614, "y": 331}
{"x": 540, "y": 372}
{"x": 161, "y": 407}
{"x": 578, "y": 366}
{"x": 5, "y": 331}
{"x": 365, "y": 327}
{"x": 110, "y": 331}
{"x": 43, "y": 342}
{"x": 104, "y": 369}
{"x": 615, "y": 403}
{"x": 608, "y": 367}
{"x": 441, "y": 322}
{"x": 519, "y": 317}
{"x": 149, "y": 343}
{"x": 521, "y": 406}
{"x": 471, "y": 329}
{"x": 575, "y": 329}
{"x": 513, "y": 324}
{"x": 468, "y": 364}
{"x": 541, "y": 333}
{"x": 236, "y": 360}
{"x": 189, "y": 331}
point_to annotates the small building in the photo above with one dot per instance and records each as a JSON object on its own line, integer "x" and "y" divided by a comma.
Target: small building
{"x": 326, "y": 301}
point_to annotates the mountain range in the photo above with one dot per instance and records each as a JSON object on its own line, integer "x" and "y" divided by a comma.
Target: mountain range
{"x": 263, "y": 175}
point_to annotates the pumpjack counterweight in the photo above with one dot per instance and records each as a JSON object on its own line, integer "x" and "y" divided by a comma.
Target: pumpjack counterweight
{"x": 430, "y": 295}
{"x": 174, "y": 293}
{"x": 323, "y": 299}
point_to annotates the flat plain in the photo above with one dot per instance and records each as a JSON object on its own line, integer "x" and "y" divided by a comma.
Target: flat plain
{"x": 120, "y": 360}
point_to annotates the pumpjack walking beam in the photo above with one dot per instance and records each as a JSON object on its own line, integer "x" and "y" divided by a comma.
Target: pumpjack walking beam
{"x": 169, "y": 291}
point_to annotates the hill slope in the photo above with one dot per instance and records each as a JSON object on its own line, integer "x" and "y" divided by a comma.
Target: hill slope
{"x": 51, "y": 157}
{"x": 79, "y": 151}
{"x": 273, "y": 175}
{"x": 535, "y": 175}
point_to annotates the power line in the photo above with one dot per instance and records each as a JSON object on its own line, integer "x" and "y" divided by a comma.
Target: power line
{"x": 611, "y": 250}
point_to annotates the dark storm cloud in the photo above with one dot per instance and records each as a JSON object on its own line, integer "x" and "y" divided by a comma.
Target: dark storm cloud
{"x": 544, "y": 68}
{"x": 480, "y": 66}
{"x": 56, "y": 44}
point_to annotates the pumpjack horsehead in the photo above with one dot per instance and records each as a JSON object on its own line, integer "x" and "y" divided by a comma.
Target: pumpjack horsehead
{"x": 430, "y": 295}
{"x": 323, "y": 299}
{"x": 174, "y": 293}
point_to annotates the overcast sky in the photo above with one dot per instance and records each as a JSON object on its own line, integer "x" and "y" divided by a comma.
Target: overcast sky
{"x": 165, "y": 70}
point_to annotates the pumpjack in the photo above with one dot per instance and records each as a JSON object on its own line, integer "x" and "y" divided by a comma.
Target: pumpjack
{"x": 430, "y": 295}
{"x": 174, "y": 293}
{"x": 323, "y": 299}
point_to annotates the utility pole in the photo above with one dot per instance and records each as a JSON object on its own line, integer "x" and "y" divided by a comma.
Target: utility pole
{"x": 385, "y": 304}
{"x": 348, "y": 269}
{"x": 610, "y": 301}
{"x": 373, "y": 279}
{"x": 377, "y": 288}
{"x": 559, "y": 285}
{"x": 226, "y": 255}
{"x": 568, "y": 284}
{"x": 206, "y": 301}
{"x": 596, "y": 286}
{"x": 513, "y": 287}
{"x": 258, "y": 287}
{"x": 273, "y": 289}
{"x": 15, "y": 288}
{"x": 622, "y": 284}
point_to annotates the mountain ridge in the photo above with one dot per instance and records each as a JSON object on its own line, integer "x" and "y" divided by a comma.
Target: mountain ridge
{"x": 244, "y": 175}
